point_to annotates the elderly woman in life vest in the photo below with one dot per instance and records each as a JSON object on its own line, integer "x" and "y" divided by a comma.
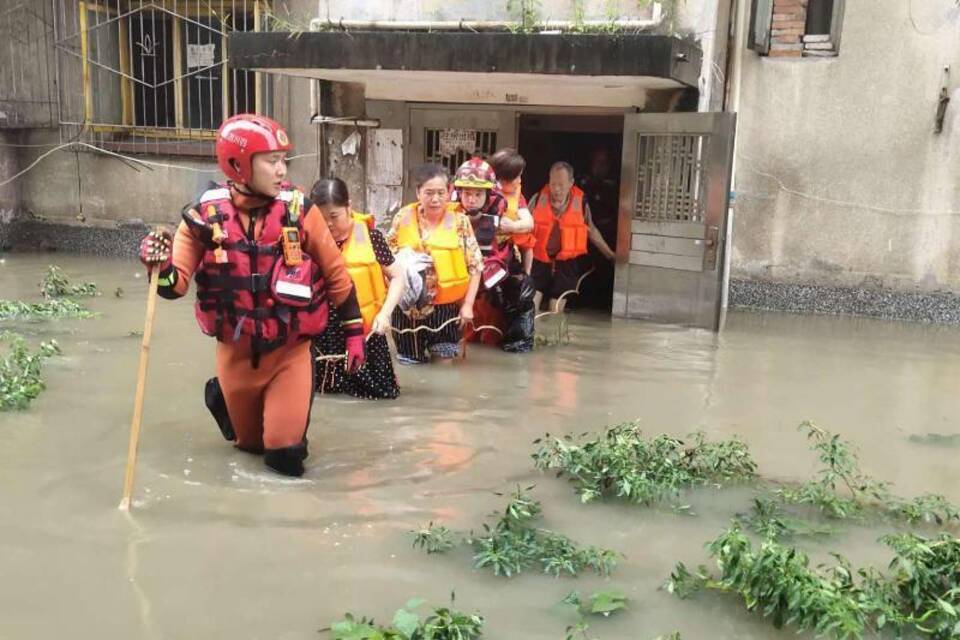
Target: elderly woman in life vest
{"x": 371, "y": 266}
{"x": 434, "y": 242}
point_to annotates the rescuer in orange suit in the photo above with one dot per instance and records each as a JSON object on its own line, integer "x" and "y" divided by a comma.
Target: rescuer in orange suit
{"x": 266, "y": 268}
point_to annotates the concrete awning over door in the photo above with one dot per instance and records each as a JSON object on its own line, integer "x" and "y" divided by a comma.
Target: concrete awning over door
{"x": 612, "y": 70}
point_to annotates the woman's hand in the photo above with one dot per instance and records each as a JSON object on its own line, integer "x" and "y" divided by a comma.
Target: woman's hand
{"x": 466, "y": 314}
{"x": 381, "y": 324}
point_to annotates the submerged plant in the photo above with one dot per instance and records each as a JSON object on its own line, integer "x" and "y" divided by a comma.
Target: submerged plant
{"x": 55, "y": 284}
{"x": 513, "y": 544}
{"x": 768, "y": 518}
{"x": 20, "y": 371}
{"x": 936, "y": 439}
{"x": 433, "y": 539}
{"x": 55, "y": 308}
{"x": 921, "y": 592}
{"x": 442, "y": 623}
{"x": 599, "y": 603}
{"x": 843, "y": 490}
{"x": 622, "y": 463}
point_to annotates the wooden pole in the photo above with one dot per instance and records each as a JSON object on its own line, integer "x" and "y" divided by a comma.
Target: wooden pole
{"x": 141, "y": 385}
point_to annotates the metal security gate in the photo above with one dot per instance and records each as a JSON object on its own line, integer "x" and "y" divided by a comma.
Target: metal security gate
{"x": 452, "y": 136}
{"x": 674, "y": 198}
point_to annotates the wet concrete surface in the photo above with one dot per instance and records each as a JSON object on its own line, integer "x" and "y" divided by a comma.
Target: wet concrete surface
{"x": 217, "y": 547}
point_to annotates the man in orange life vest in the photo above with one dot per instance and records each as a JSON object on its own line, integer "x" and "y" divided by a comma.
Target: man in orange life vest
{"x": 562, "y": 228}
{"x": 265, "y": 265}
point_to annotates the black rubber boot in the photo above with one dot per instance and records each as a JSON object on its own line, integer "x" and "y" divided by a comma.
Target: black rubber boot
{"x": 519, "y": 312}
{"x": 213, "y": 396}
{"x": 287, "y": 461}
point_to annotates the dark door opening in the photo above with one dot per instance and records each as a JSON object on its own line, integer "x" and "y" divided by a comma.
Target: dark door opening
{"x": 593, "y": 145}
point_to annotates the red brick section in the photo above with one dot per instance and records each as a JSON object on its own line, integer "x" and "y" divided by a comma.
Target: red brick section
{"x": 787, "y": 27}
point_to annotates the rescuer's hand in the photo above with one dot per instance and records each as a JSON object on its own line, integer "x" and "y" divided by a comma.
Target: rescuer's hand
{"x": 156, "y": 249}
{"x": 356, "y": 352}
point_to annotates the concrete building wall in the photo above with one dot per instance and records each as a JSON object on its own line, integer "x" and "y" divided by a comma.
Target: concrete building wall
{"x": 840, "y": 178}
{"x": 9, "y": 193}
{"x": 88, "y": 188}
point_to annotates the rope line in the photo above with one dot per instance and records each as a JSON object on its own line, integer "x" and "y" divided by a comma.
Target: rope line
{"x": 564, "y": 295}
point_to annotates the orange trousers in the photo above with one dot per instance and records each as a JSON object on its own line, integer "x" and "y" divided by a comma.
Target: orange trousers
{"x": 269, "y": 406}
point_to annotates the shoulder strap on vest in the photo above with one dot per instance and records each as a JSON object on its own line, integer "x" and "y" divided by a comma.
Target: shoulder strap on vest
{"x": 210, "y": 195}
{"x": 293, "y": 200}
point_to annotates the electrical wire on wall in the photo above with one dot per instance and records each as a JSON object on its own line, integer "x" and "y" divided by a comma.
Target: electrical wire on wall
{"x": 750, "y": 166}
{"x": 119, "y": 156}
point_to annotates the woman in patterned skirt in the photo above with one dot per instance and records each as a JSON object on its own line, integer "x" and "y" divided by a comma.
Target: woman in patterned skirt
{"x": 370, "y": 264}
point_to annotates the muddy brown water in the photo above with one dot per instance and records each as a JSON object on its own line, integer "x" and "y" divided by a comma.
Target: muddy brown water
{"x": 216, "y": 547}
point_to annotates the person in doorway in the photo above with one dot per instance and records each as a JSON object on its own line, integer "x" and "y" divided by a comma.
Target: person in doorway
{"x": 368, "y": 259}
{"x": 601, "y": 191}
{"x": 265, "y": 268}
{"x": 508, "y": 165}
{"x": 506, "y": 297}
{"x": 434, "y": 238}
{"x": 562, "y": 229}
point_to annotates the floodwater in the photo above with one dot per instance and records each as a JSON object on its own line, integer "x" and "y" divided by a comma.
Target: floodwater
{"x": 217, "y": 547}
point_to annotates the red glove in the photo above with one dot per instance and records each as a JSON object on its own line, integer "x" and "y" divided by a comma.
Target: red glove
{"x": 356, "y": 353}
{"x": 156, "y": 250}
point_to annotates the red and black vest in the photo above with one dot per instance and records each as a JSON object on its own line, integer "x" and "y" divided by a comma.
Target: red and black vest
{"x": 250, "y": 291}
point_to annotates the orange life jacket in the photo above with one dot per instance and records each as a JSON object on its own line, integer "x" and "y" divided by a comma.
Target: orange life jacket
{"x": 444, "y": 247}
{"x": 364, "y": 269}
{"x": 573, "y": 226}
{"x": 520, "y": 240}
{"x": 254, "y": 293}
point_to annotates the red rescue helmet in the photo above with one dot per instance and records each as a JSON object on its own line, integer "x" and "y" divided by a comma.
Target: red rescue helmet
{"x": 475, "y": 173}
{"x": 243, "y": 135}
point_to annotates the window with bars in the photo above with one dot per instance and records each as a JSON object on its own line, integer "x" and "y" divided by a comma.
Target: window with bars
{"x": 453, "y": 147}
{"x": 159, "y": 68}
{"x": 669, "y": 183}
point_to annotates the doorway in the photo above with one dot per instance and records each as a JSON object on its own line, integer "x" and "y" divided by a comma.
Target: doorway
{"x": 593, "y": 145}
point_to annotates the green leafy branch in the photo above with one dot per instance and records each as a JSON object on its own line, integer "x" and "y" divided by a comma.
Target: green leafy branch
{"x": 843, "y": 490}
{"x": 442, "y": 623}
{"x": 50, "y": 309}
{"x": 20, "y": 371}
{"x": 599, "y": 603}
{"x": 621, "y": 463}
{"x": 55, "y": 284}
{"x": 921, "y": 592}
{"x": 512, "y": 544}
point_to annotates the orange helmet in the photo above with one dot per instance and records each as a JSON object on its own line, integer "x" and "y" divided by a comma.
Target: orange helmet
{"x": 243, "y": 135}
{"x": 475, "y": 173}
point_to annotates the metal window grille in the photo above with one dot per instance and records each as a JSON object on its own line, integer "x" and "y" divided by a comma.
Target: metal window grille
{"x": 27, "y": 88}
{"x": 152, "y": 76}
{"x": 484, "y": 145}
{"x": 669, "y": 184}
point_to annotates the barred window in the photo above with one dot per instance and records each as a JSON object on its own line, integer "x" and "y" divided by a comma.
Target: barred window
{"x": 157, "y": 69}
